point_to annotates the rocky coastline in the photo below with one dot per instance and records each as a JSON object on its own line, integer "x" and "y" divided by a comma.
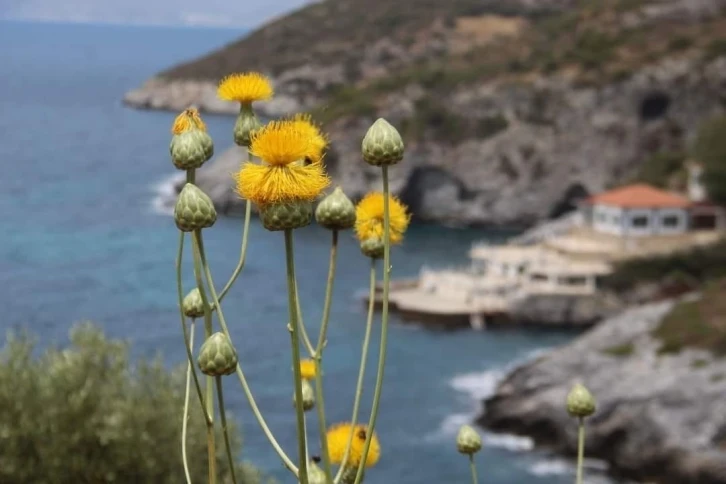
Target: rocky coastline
{"x": 661, "y": 418}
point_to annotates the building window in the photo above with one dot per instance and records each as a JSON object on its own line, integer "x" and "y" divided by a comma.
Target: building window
{"x": 640, "y": 221}
{"x": 671, "y": 221}
{"x": 539, "y": 278}
{"x": 573, "y": 281}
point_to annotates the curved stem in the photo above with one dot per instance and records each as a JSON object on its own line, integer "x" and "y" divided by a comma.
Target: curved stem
{"x": 295, "y": 341}
{"x": 209, "y": 386}
{"x": 180, "y": 297}
{"x": 303, "y": 332}
{"x": 185, "y": 415}
{"x": 384, "y": 324}
{"x": 223, "y": 417}
{"x": 362, "y": 368}
{"x": 240, "y": 374}
{"x": 472, "y": 464}
{"x": 580, "y": 449}
{"x": 318, "y": 357}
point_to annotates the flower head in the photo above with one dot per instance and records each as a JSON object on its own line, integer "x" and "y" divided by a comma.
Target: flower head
{"x": 187, "y": 120}
{"x": 307, "y": 369}
{"x": 338, "y": 436}
{"x": 245, "y": 87}
{"x": 282, "y": 143}
{"x": 369, "y": 218}
{"x": 318, "y": 139}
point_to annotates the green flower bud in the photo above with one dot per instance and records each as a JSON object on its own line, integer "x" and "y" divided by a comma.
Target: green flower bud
{"x": 372, "y": 247}
{"x": 192, "y": 305}
{"x": 191, "y": 149}
{"x": 336, "y": 211}
{"x": 194, "y": 209}
{"x": 580, "y": 402}
{"x": 468, "y": 440}
{"x": 315, "y": 474}
{"x": 382, "y": 144}
{"x": 282, "y": 216}
{"x": 217, "y": 356}
{"x": 308, "y": 396}
{"x": 246, "y": 123}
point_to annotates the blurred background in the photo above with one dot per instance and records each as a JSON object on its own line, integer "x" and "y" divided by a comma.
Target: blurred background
{"x": 517, "y": 115}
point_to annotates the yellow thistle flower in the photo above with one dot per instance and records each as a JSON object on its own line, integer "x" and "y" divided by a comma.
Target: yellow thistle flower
{"x": 307, "y": 369}
{"x": 265, "y": 185}
{"x": 337, "y": 437}
{"x": 318, "y": 139}
{"x": 369, "y": 218}
{"x": 281, "y": 143}
{"x": 245, "y": 88}
{"x": 187, "y": 120}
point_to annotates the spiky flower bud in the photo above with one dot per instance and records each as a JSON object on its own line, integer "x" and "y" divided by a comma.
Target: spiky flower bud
{"x": 217, "y": 356}
{"x": 308, "y": 396}
{"x": 191, "y": 149}
{"x": 194, "y": 209}
{"x": 580, "y": 402}
{"x": 192, "y": 305}
{"x": 372, "y": 247}
{"x": 315, "y": 474}
{"x": 382, "y": 144}
{"x": 336, "y": 211}
{"x": 245, "y": 125}
{"x": 282, "y": 216}
{"x": 468, "y": 440}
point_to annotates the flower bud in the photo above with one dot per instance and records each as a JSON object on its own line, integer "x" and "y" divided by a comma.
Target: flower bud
{"x": 194, "y": 210}
{"x": 580, "y": 402}
{"x": 217, "y": 356}
{"x": 468, "y": 440}
{"x": 308, "y": 396}
{"x": 283, "y": 216}
{"x": 382, "y": 144}
{"x": 191, "y": 149}
{"x": 348, "y": 475}
{"x": 336, "y": 211}
{"x": 245, "y": 124}
{"x": 372, "y": 247}
{"x": 192, "y": 305}
{"x": 315, "y": 474}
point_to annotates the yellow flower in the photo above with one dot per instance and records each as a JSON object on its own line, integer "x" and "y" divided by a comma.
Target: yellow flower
{"x": 283, "y": 177}
{"x": 318, "y": 139}
{"x": 338, "y": 436}
{"x": 369, "y": 218}
{"x": 307, "y": 369}
{"x": 245, "y": 87}
{"x": 187, "y": 120}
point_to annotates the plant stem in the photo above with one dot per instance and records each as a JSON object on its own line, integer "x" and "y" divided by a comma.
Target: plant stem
{"x": 580, "y": 449}
{"x": 185, "y": 415}
{"x": 362, "y": 368}
{"x": 209, "y": 385}
{"x": 295, "y": 341}
{"x": 240, "y": 374}
{"x": 384, "y": 325}
{"x": 472, "y": 464}
{"x": 223, "y": 417}
{"x": 318, "y": 358}
{"x": 303, "y": 332}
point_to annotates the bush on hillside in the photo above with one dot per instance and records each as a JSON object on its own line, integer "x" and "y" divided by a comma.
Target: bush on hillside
{"x": 85, "y": 415}
{"x": 710, "y": 149}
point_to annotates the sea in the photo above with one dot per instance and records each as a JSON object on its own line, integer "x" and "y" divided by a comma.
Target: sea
{"x": 85, "y": 237}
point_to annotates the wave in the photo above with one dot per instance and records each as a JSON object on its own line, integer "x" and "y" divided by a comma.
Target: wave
{"x": 165, "y": 193}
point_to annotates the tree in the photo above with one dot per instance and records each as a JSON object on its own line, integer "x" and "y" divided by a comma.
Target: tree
{"x": 710, "y": 149}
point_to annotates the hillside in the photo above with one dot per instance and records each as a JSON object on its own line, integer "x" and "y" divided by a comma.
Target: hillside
{"x": 509, "y": 109}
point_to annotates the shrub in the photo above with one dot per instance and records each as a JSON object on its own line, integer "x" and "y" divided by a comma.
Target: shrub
{"x": 710, "y": 149}
{"x": 85, "y": 415}
{"x": 660, "y": 167}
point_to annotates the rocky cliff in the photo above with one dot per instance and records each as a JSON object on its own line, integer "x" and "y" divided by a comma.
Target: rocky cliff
{"x": 661, "y": 414}
{"x": 510, "y": 110}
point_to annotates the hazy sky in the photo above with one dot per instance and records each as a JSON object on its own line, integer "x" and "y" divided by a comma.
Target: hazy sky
{"x": 246, "y": 13}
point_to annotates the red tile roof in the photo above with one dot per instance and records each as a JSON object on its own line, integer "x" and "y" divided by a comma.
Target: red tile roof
{"x": 640, "y": 196}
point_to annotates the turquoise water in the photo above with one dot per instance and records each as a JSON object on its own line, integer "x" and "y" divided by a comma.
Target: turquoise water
{"x": 81, "y": 241}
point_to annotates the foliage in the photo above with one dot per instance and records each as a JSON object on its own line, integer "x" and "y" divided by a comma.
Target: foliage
{"x": 715, "y": 48}
{"x": 710, "y": 149}
{"x": 621, "y": 350}
{"x": 659, "y": 168}
{"x": 86, "y": 415}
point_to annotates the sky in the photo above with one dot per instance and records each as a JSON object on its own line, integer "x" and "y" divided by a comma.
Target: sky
{"x": 231, "y": 13}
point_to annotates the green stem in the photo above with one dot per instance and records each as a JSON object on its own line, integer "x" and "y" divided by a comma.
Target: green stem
{"x": 362, "y": 368}
{"x": 318, "y": 358}
{"x": 209, "y": 386}
{"x": 384, "y": 325}
{"x": 472, "y": 464}
{"x": 295, "y": 341}
{"x": 240, "y": 374}
{"x": 580, "y": 449}
{"x": 303, "y": 332}
{"x": 185, "y": 416}
{"x": 180, "y": 296}
{"x": 223, "y": 417}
